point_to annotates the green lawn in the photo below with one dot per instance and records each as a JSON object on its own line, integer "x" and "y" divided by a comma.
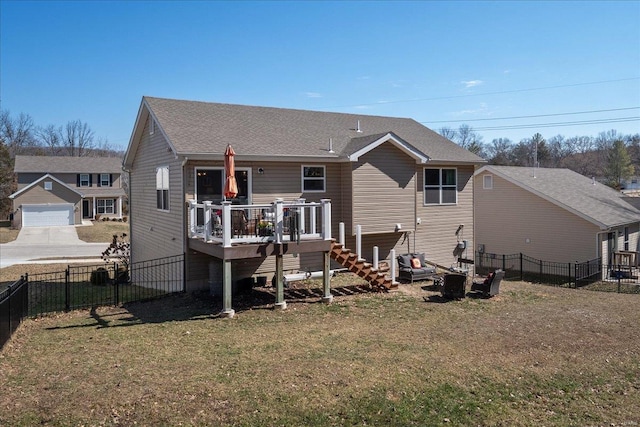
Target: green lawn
{"x": 533, "y": 355}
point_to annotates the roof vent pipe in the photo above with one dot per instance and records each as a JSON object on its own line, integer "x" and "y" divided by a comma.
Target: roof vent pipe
{"x": 331, "y": 145}
{"x": 593, "y": 180}
{"x": 358, "y": 128}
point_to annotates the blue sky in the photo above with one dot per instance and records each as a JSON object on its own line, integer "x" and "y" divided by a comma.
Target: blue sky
{"x": 440, "y": 63}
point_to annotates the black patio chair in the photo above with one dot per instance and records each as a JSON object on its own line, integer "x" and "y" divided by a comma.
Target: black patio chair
{"x": 453, "y": 285}
{"x": 489, "y": 286}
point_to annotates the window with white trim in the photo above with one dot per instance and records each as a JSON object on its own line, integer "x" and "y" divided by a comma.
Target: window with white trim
{"x": 152, "y": 126}
{"x": 105, "y": 206}
{"x": 313, "y": 179}
{"x": 626, "y": 238}
{"x": 162, "y": 188}
{"x": 487, "y": 182}
{"x": 105, "y": 180}
{"x": 48, "y": 185}
{"x": 440, "y": 186}
{"x": 84, "y": 180}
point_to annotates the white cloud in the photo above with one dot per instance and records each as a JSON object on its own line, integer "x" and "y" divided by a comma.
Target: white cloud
{"x": 472, "y": 83}
{"x": 482, "y": 109}
{"x": 313, "y": 95}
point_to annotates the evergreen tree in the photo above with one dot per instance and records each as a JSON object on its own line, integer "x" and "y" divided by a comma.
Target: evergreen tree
{"x": 619, "y": 165}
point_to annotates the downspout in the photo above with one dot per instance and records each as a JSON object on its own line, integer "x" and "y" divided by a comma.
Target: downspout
{"x": 185, "y": 226}
{"x": 131, "y": 248}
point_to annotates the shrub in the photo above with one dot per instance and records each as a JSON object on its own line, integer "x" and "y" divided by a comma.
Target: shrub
{"x": 99, "y": 276}
{"x": 122, "y": 276}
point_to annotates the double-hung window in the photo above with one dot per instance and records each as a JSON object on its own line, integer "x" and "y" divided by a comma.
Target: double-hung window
{"x": 84, "y": 180}
{"x": 105, "y": 206}
{"x": 162, "y": 188}
{"x": 313, "y": 179}
{"x": 105, "y": 180}
{"x": 440, "y": 186}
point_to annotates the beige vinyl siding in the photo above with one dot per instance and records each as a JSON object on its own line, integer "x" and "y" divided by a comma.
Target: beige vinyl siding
{"x": 383, "y": 191}
{"x": 70, "y": 179}
{"x": 511, "y": 220}
{"x": 155, "y": 233}
{"x": 435, "y": 235}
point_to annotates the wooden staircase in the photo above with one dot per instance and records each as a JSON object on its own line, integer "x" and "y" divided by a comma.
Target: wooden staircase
{"x": 377, "y": 278}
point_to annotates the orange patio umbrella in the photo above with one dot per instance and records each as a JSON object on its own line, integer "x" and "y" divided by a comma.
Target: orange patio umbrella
{"x": 230, "y": 184}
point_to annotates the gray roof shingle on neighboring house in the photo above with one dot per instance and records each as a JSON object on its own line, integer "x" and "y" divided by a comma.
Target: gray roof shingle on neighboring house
{"x": 203, "y": 128}
{"x": 67, "y": 164}
{"x": 568, "y": 189}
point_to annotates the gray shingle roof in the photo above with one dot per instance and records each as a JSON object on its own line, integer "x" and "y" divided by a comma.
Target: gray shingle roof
{"x": 67, "y": 164}
{"x": 206, "y": 128}
{"x": 568, "y": 189}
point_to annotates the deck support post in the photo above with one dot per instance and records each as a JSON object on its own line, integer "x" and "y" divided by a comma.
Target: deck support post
{"x": 280, "y": 302}
{"x": 227, "y": 311}
{"x": 392, "y": 264}
{"x": 326, "y": 279}
{"x": 359, "y": 242}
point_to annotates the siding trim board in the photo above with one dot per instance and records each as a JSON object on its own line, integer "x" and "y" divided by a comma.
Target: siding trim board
{"x": 395, "y": 140}
{"x": 37, "y": 181}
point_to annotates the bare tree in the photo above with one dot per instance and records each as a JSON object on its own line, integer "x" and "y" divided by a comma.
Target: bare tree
{"x": 448, "y": 133}
{"x": 17, "y": 134}
{"x": 499, "y": 151}
{"x": 78, "y": 138}
{"x": 51, "y": 138}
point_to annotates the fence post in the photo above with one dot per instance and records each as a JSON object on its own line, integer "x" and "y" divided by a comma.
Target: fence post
{"x": 184, "y": 272}
{"x": 116, "y": 295}
{"x": 67, "y": 290}
{"x": 521, "y": 268}
{"x": 569, "y": 271}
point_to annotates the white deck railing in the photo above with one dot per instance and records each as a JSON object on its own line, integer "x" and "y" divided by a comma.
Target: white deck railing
{"x": 277, "y": 222}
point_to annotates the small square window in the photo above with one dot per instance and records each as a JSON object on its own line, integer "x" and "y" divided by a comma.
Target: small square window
{"x": 48, "y": 185}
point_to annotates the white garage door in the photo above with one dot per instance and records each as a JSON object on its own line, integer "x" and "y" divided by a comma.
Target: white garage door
{"x": 47, "y": 215}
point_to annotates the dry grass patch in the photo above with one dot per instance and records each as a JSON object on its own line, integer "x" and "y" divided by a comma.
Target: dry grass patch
{"x": 8, "y": 234}
{"x": 102, "y": 231}
{"x": 533, "y": 355}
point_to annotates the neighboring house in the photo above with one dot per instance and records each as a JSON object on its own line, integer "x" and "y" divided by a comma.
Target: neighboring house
{"x": 551, "y": 214}
{"x": 408, "y": 188}
{"x": 65, "y": 190}
{"x": 631, "y": 184}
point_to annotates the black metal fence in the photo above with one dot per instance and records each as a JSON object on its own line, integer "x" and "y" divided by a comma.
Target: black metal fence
{"x": 14, "y": 305}
{"x": 591, "y": 274}
{"x": 88, "y": 286}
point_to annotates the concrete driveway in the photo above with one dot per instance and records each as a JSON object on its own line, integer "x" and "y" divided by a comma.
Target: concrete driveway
{"x": 48, "y": 245}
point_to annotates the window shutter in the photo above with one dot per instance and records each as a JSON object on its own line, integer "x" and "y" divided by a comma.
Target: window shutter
{"x": 110, "y": 180}
{"x": 90, "y": 179}
{"x": 99, "y": 183}
{"x": 78, "y": 182}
